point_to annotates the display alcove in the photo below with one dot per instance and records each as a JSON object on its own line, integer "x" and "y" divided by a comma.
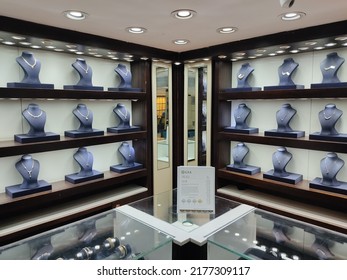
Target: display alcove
{"x": 298, "y": 200}
{"x": 67, "y": 201}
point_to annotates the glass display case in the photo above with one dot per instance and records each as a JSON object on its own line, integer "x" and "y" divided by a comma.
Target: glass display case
{"x": 110, "y": 235}
{"x": 267, "y": 236}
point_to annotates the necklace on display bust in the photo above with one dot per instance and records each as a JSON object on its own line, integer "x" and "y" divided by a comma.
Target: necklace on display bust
{"x": 85, "y": 161}
{"x": 327, "y": 117}
{"x": 326, "y": 167}
{"x": 240, "y": 76}
{"x": 285, "y": 73}
{"x": 330, "y": 67}
{"x": 29, "y": 64}
{"x": 124, "y": 115}
{"x": 125, "y": 73}
{"x": 84, "y": 69}
{"x": 84, "y": 116}
{"x": 30, "y": 171}
{"x": 35, "y": 116}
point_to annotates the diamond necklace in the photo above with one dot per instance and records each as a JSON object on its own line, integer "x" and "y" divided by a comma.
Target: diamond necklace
{"x": 29, "y": 171}
{"x": 85, "y": 69}
{"x": 84, "y": 116}
{"x": 125, "y": 73}
{"x": 35, "y": 116}
{"x": 86, "y": 161}
{"x": 29, "y": 64}
{"x": 125, "y": 116}
{"x": 328, "y": 117}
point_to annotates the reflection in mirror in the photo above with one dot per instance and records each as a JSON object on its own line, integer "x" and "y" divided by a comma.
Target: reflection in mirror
{"x": 197, "y": 121}
{"x": 162, "y": 114}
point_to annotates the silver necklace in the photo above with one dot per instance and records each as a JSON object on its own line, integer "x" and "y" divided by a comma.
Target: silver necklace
{"x": 84, "y": 116}
{"x": 34, "y": 116}
{"x": 84, "y": 69}
{"x": 125, "y": 116}
{"x": 330, "y": 67}
{"x": 240, "y": 76}
{"x": 326, "y": 167}
{"x": 282, "y": 118}
{"x": 125, "y": 73}
{"x": 27, "y": 170}
{"x": 328, "y": 117}
{"x": 285, "y": 73}
{"x": 29, "y": 64}
{"x": 86, "y": 161}
{"x": 278, "y": 160}
{"x": 238, "y": 116}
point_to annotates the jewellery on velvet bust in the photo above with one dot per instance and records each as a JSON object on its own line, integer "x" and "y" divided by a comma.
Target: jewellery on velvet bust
{"x": 330, "y": 67}
{"x": 277, "y": 159}
{"x": 84, "y": 116}
{"x": 29, "y": 64}
{"x": 282, "y": 118}
{"x": 27, "y": 170}
{"x": 34, "y": 116}
{"x": 240, "y": 76}
{"x": 125, "y": 116}
{"x": 285, "y": 73}
{"x": 326, "y": 166}
{"x": 125, "y": 73}
{"x": 84, "y": 69}
{"x": 327, "y": 117}
{"x": 86, "y": 161}
{"x": 241, "y": 114}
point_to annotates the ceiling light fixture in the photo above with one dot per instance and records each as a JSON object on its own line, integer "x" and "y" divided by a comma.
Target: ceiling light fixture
{"x": 292, "y": 16}
{"x": 181, "y": 41}
{"x": 183, "y": 14}
{"x": 136, "y": 30}
{"x": 75, "y": 15}
{"x": 227, "y": 30}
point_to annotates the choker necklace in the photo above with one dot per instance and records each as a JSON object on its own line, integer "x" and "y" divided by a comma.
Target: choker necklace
{"x": 34, "y": 116}
{"x": 31, "y": 65}
{"x": 84, "y": 116}
{"x": 125, "y": 116}
{"x": 29, "y": 171}
{"x": 125, "y": 73}
{"x": 328, "y": 117}
{"x": 330, "y": 67}
{"x": 240, "y": 76}
{"x": 285, "y": 73}
{"x": 85, "y": 69}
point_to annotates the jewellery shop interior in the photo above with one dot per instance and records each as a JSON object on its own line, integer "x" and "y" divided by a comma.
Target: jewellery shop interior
{"x": 96, "y": 123}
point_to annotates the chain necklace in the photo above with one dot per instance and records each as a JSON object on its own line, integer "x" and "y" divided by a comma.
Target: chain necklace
{"x": 86, "y": 161}
{"x": 34, "y": 116}
{"x": 27, "y": 170}
{"x": 240, "y": 76}
{"x": 125, "y": 73}
{"x": 285, "y": 73}
{"x": 123, "y": 148}
{"x": 125, "y": 116}
{"x": 29, "y": 64}
{"x": 282, "y": 118}
{"x": 330, "y": 67}
{"x": 327, "y": 117}
{"x": 238, "y": 116}
{"x": 84, "y": 69}
{"x": 277, "y": 159}
{"x": 326, "y": 167}
{"x": 84, "y": 116}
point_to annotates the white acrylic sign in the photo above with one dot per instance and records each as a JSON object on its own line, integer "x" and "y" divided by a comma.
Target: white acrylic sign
{"x": 195, "y": 189}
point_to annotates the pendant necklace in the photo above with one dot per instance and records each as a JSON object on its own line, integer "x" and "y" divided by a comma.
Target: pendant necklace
{"x": 330, "y": 67}
{"x": 86, "y": 161}
{"x": 278, "y": 160}
{"x": 240, "y": 76}
{"x": 127, "y": 152}
{"x": 84, "y": 116}
{"x": 238, "y": 116}
{"x": 34, "y": 116}
{"x": 31, "y": 65}
{"x": 27, "y": 170}
{"x": 84, "y": 69}
{"x": 326, "y": 166}
{"x": 327, "y": 117}
{"x": 125, "y": 116}
{"x": 285, "y": 73}
{"x": 125, "y": 73}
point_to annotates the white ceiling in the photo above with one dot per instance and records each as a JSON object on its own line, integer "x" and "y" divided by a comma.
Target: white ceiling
{"x": 109, "y": 18}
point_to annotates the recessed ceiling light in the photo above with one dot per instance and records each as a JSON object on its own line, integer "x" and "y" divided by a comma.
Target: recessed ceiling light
{"x": 311, "y": 43}
{"x": 303, "y": 48}
{"x": 144, "y": 58}
{"x": 344, "y": 38}
{"x": 115, "y": 58}
{"x": 183, "y": 13}
{"x": 75, "y": 15}
{"x": 292, "y": 16}
{"x": 280, "y": 51}
{"x": 79, "y": 52}
{"x": 319, "y": 48}
{"x": 25, "y": 43}
{"x": 344, "y": 44}
{"x": 8, "y": 43}
{"x": 272, "y": 54}
{"x": 36, "y": 47}
{"x": 177, "y": 63}
{"x": 71, "y": 46}
{"x": 330, "y": 44}
{"x": 181, "y": 41}
{"x": 294, "y": 51}
{"x": 18, "y": 37}
{"x": 240, "y": 54}
{"x": 136, "y": 30}
{"x": 50, "y": 47}
{"x": 284, "y": 47}
{"x": 58, "y": 50}
{"x": 227, "y": 30}
{"x": 222, "y": 56}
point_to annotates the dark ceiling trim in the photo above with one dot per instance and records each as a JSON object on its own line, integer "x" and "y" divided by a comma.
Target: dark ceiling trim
{"x": 304, "y": 34}
{"x": 70, "y": 36}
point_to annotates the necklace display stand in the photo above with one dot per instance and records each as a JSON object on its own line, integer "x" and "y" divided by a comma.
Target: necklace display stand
{"x": 283, "y": 117}
{"x": 85, "y": 118}
{"x": 280, "y": 160}
{"x": 241, "y": 114}
{"x": 124, "y": 116}
{"x": 128, "y": 154}
{"x": 29, "y": 169}
{"x": 329, "y": 68}
{"x": 85, "y": 161}
{"x": 36, "y": 118}
{"x": 239, "y": 153}
{"x": 85, "y": 73}
{"x": 285, "y": 72}
{"x": 328, "y": 118}
{"x": 330, "y": 166}
{"x": 125, "y": 79}
{"x": 243, "y": 77}
{"x": 31, "y": 67}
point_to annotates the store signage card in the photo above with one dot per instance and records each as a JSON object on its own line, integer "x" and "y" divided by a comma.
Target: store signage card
{"x": 195, "y": 189}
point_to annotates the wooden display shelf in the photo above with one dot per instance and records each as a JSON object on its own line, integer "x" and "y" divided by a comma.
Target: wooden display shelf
{"x": 11, "y": 148}
{"x": 64, "y": 191}
{"x": 31, "y": 93}
{"x": 285, "y": 94}
{"x": 299, "y": 192}
{"x": 300, "y": 143}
